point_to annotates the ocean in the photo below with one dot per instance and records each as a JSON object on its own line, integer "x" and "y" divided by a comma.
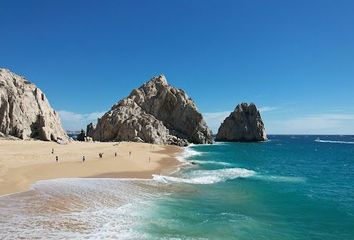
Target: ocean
{"x": 290, "y": 187}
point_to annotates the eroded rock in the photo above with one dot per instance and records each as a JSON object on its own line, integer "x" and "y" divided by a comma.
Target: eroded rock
{"x": 25, "y": 111}
{"x": 243, "y": 125}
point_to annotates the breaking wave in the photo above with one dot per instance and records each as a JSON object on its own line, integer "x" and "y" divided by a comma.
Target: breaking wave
{"x": 77, "y": 209}
{"x": 187, "y": 154}
{"x": 201, "y": 162}
{"x": 207, "y": 176}
{"x": 332, "y": 141}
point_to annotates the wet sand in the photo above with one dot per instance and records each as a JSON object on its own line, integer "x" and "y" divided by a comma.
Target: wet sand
{"x": 23, "y": 163}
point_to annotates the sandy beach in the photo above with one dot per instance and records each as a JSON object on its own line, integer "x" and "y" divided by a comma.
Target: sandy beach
{"x": 22, "y": 163}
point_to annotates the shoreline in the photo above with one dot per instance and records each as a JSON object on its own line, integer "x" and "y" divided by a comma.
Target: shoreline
{"x": 23, "y": 163}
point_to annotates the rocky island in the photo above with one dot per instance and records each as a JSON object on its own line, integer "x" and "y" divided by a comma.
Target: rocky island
{"x": 25, "y": 111}
{"x": 154, "y": 113}
{"x": 243, "y": 125}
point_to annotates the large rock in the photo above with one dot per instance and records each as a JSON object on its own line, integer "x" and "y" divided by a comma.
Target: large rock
{"x": 90, "y": 129}
{"x": 243, "y": 125}
{"x": 154, "y": 113}
{"x": 81, "y": 136}
{"x": 25, "y": 111}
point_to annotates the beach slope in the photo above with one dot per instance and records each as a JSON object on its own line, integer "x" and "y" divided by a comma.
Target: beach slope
{"x": 22, "y": 163}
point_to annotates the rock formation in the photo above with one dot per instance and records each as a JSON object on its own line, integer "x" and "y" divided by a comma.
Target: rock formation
{"x": 81, "y": 136}
{"x": 90, "y": 129}
{"x": 25, "y": 111}
{"x": 154, "y": 113}
{"x": 243, "y": 125}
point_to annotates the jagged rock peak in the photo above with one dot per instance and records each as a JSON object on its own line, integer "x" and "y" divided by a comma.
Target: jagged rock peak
{"x": 244, "y": 124}
{"x": 25, "y": 111}
{"x": 161, "y": 79}
{"x": 155, "y": 112}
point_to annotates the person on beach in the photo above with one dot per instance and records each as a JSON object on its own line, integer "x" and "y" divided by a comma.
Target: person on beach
{"x": 52, "y": 150}
{"x": 130, "y": 153}
{"x": 115, "y": 154}
{"x": 83, "y": 159}
{"x": 56, "y": 158}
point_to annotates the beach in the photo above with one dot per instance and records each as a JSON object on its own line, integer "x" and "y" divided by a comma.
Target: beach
{"x": 22, "y": 163}
{"x": 232, "y": 190}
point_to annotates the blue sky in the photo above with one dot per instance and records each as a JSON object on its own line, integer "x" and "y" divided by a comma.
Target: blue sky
{"x": 294, "y": 59}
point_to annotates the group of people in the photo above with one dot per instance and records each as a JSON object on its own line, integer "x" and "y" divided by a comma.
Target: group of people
{"x": 100, "y": 155}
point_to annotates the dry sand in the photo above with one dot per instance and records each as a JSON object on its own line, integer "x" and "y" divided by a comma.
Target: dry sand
{"x": 22, "y": 163}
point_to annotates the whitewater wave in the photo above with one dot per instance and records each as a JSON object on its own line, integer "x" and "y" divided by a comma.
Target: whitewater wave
{"x": 83, "y": 209}
{"x": 201, "y": 162}
{"x": 332, "y": 141}
{"x": 187, "y": 153}
{"x": 220, "y": 143}
{"x": 207, "y": 176}
{"x": 222, "y": 175}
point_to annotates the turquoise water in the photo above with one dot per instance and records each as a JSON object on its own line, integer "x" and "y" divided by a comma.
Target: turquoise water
{"x": 287, "y": 188}
{"x": 291, "y": 187}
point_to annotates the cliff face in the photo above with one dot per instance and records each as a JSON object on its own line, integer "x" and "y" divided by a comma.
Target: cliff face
{"x": 243, "y": 125}
{"x": 155, "y": 113}
{"x": 25, "y": 111}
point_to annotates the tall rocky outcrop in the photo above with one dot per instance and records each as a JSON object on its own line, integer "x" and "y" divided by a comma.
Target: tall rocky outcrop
{"x": 25, "y": 111}
{"x": 243, "y": 125}
{"x": 155, "y": 113}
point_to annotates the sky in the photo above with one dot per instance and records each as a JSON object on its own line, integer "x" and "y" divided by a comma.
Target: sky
{"x": 293, "y": 59}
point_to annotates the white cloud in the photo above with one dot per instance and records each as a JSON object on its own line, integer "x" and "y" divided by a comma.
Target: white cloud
{"x": 77, "y": 121}
{"x": 267, "y": 109}
{"x": 314, "y": 124}
{"x": 214, "y": 119}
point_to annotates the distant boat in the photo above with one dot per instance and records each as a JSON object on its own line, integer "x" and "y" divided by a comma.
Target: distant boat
{"x": 318, "y": 139}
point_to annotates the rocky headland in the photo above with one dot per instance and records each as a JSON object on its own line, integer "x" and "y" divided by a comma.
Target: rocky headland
{"x": 244, "y": 124}
{"x": 154, "y": 113}
{"x": 25, "y": 112}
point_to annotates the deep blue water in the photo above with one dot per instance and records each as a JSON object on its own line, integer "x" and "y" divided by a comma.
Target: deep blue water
{"x": 291, "y": 187}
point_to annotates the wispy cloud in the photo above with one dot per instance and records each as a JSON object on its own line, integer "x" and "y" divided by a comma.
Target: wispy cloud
{"x": 214, "y": 119}
{"x": 77, "y": 121}
{"x": 267, "y": 109}
{"x": 325, "y": 123}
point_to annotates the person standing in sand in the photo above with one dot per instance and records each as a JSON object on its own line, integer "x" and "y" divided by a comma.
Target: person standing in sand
{"x": 56, "y": 158}
{"x": 130, "y": 153}
{"x": 83, "y": 159}
{"x": 52, "y": 150}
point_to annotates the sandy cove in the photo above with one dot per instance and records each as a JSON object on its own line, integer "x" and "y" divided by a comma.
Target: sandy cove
{"x": 22, "y": 163}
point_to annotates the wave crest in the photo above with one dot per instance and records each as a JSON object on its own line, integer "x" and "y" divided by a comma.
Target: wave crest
{"x": 332, "y": 141}
{"x": 207, "y": 176}
{"x": 187, "y": 153}
{"x": 211, "y": 162}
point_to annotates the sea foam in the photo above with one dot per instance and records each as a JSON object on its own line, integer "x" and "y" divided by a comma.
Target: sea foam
{"x": 187, "y": 153}
{"x": 77, "y": 209}
{"x": 332, "y": 141}
{"x": 207, "y": 176}
{"x": 203, "y": 162}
